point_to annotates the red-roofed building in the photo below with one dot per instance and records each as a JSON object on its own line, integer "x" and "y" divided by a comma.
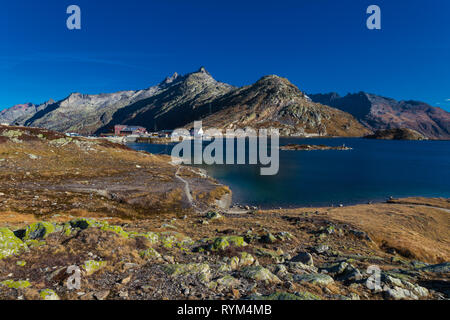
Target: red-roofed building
{"x": 124, "y": 130}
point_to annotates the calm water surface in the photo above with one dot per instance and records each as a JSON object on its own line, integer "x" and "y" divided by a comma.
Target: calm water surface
{"x": 372, "y": 171}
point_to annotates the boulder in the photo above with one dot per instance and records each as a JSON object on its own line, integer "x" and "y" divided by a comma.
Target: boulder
{"x": 318, "y": 278}
{"x": 212, "y": 215}
{"x": 437, "y": 268}
{"x": 48, "y": 294}
{"x": 150, "y": 254}
{"x": 260, "y": 273}
{"x": 39, "y": 230}
{"x": 321, "y": 248}
{"x": 10, "y": 244}
{"x": 201, "y": 270}
{"x": 303, "y": 257}
{"x": 222, "y": 243}
{"x": 92, "y": 266}
{"x": 20, "y": 284}
{"x": 268, "y": 238}
{"x": 228, "y": 281}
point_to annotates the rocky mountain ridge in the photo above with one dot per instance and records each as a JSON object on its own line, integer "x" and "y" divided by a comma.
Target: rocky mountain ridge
{"x": 380, "y": 113}
{"x": 270, "y": 102}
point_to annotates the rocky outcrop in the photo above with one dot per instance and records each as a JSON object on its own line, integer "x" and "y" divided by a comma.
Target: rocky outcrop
{"x": 377, "y": 112}
{"x": 308, "y": 147}
{"x": 124, "y": 262}
{"x": 397, "y": 134}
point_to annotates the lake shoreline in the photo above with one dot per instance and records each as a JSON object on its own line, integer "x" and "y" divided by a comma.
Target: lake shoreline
{"x": 372, "y": 172}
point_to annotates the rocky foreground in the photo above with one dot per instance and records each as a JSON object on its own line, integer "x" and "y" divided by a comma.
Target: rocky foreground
{"x": 297, "y": 254}
{"x": 68, "y": 216}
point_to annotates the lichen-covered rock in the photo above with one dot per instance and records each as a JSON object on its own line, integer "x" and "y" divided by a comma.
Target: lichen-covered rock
{"x": 318, "y": 278}
{"x": 116, "y": 229}
{"x": 321, "y": 248}
{"x": 10, "y": 244}
{"x": 303, "y": 257}
{"x": 48, "y": 294}
{"x": 284, "y": 236}
{"x": 228, "y": 281}
{"x": 150, "y": 254}
{"x": 298, "y": 267}
{"x": 39, "y": 230}
{"x": 281, "y": 270}
{"x": 35, "y": 243}
{"x": 350, "y": 274}
{"x": 20, "y": 284}
{"x": 21, "y": 263}
{"x": 92, "y": 266}
{"x": 337, "y": 268}
{"x": 152, "y": 237}
{"x": 277, "y": 256}
{"x": 285, "y": 296}
{"x": 260, "y": 273}
{"x": 201, "y": 270}
{"x": 398, "y": 293}
{"x": 83, "y": 223}
{"x": 268, "y": 238}
{"x": 222, "y": 243}
{"x": 174, "y": 239}
{"x": 234, "y": 263}
{"x": 397, "y": 288}
{"x": 212, "y": 215}
{"x": 224, "y": 267}
{"x": 244, "y": 259}
{"x": 437, "y": 268}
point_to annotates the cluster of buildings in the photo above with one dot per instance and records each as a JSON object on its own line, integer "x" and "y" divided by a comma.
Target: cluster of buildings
{"x": 121, "y": 130}
{"x": 124, "y": 130}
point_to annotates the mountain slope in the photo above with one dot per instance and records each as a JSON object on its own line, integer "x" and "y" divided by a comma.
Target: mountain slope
{"x": 174, "y": 106}
{"x": 17, "y": 111}
{"x": 85, "y": 113}
{"x": 275, "y": 102}
{"x": 377, "y": 112}
{"x": 396, "y": 134}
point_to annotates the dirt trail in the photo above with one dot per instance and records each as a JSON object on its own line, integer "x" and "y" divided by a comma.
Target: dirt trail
{"x": 187, "y": 188}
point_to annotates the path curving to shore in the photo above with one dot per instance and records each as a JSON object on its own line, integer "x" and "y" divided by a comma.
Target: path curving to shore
{"x": 187, "y": 188}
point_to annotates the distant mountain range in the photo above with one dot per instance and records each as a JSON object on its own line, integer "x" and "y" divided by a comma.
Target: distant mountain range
{"x": 376, "y": 112}
{"x": 270, "y": 102}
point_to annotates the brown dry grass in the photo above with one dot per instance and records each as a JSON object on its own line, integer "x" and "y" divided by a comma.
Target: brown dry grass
{"x": 432, "y": 202}
{"x": 413, "y": 229}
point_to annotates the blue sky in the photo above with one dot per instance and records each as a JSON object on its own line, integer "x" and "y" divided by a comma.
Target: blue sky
{"x": 320, "y": 45}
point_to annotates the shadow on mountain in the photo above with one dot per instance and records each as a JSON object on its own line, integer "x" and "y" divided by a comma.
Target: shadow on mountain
{"x": 50, "y": 108}
{"x": 162, "y": 112}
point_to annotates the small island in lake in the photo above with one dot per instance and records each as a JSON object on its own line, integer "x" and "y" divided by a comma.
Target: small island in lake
{"x": 308, "y": 147}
